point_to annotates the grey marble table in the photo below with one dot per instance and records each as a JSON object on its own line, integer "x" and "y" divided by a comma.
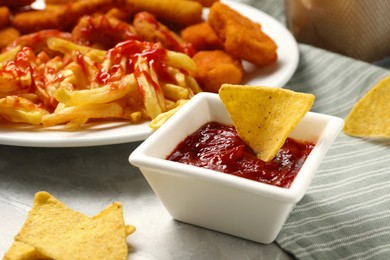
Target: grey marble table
{"x": 89, "y": 178}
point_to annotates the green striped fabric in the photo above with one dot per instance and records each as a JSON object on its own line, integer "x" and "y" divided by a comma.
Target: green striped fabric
{"x": 346, "y": 211}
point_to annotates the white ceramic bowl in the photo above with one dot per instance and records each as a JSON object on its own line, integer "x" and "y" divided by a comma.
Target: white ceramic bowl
{"x": 223, "y": 202}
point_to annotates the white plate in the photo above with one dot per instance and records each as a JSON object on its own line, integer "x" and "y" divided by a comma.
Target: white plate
{"x": 275, "y": 75}
{"x": 92, "y": 134}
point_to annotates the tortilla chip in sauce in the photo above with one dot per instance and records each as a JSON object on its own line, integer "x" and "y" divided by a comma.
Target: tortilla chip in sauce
{"x": 264, "y": 116}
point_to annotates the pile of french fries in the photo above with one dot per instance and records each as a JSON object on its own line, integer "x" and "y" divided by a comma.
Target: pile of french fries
{"x": 128, "y": 82}
{"x": 49, "y": 77}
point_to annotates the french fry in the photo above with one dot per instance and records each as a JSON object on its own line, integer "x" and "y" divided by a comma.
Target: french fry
{"x": 20, "y": 110}
{"x": 134, "y": 116}
{"x": 185, "y": 80}
{"x": 67, "y": 47}
{"x": 150, "y": 90}
{"x": 19, "y": 103}
{"x": 67, "y": 114}
{"x": 169, "y": 104}
{"x": 20, "y": 116}
{"x": 10, "y": 54}
{"x": 11, "y": 79}
{"x": 181, "y": 61}
{"x": 76, "y": 123}
{"x": 174, "y": 92}
{"x": 82, "y": 83}
{"x": 30, "y": 96}
{"x": 8, "y": 84}
{"x": 59, "y": 107}
{"x": 76, "y": 76}
{"x": 193, "y": 84}
{"x": 100, "y": 95}
{"x": 177, "y": 75}
{"x": 163, "y": 117}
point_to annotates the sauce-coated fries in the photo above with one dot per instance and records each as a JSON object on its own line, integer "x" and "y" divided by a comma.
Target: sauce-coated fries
{"x": 81, "y": 60}
{"x": 78, "y": 60}
{"x": 18, "y": 109}
{"x": 133, "y": 81}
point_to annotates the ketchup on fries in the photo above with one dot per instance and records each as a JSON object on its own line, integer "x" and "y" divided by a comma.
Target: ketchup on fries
{"x": 81, "y": 60}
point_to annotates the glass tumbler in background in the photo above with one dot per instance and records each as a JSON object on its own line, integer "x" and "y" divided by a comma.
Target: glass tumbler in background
{"x": 356, "y": 28}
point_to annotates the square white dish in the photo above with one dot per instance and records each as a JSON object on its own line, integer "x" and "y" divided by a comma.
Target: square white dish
{"x": 223, "y": 202}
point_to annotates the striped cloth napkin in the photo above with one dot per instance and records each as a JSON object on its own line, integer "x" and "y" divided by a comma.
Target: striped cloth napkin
{"x": 346, "y": 211}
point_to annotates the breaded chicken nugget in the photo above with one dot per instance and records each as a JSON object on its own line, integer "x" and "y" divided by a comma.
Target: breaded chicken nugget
{"x": 202, "y": 37}
{"x": 53, "y": 8}
{"x": 70, "y": 13}
{"x": 15, "y": 3}
{"x": 179, "y": 12}
{"x": 120, "y": 14}
{"x": 59, "y": 2}
{"x": 33, "y": 21}
{"x": 7, "y": 36}
{"x": 242, "y": 38}
{"x": 4, "y": 16}
{"x": 215, "y": 68}
{"x": 102, "y": 32}
{"x": 206, "y": 3}
{"x": 151, "y": 30}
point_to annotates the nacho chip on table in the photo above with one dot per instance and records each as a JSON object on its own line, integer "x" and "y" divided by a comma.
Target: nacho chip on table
{"x": 370, "y": 117}
{"x": 54, "y": 231}
{"x": 264, "y": 116}
{"x": 22, "y": 251}
{"x": 102, "y": 237}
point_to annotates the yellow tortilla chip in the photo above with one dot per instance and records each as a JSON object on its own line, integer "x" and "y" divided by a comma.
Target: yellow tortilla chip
{"x": 22, "y": 251}
{"x": 54, "y": 231}
{"x": 264, "y": 116}
{"x": 102, "y": 237}
{"x": 48, "y": 218}
{"x": 370, "y": 117}
{"x": 130, "y": 229}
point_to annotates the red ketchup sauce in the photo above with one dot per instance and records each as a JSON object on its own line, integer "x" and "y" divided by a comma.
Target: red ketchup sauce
{"x": 218, "y": 147}
{"x": 154, "y": 54}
